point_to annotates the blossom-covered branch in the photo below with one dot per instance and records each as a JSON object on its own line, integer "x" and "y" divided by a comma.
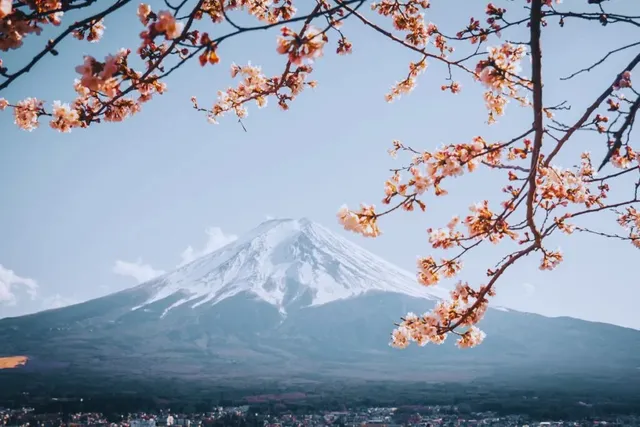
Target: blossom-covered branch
{"x": 548, "y": 198}
{"x": 112, "y": 90}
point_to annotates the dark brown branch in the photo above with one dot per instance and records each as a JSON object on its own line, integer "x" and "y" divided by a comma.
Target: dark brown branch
{"x": 602, "y": 234}
{"x": 153, "y": 66}
{"x": 388, "y": 34}
{"x": 604, "y": 58}
{"x": 612, "y": 18}
{"x": 53, "y": 43}
{"x": 538, "y": 120}
{"x": 482, "y": 294}
{"x": 614, "y": 175}
{"x": 617, "y": 137}
{"x": 582, "y": 120}
{"x": 65, "y": 8}
{"x": 243, "y": 30}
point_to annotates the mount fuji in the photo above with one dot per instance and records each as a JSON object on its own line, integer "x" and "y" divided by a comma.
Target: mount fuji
{"x": 288, "y": 300}
{"x": 289, "y": 264}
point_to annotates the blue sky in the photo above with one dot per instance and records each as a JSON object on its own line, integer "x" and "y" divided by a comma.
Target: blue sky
{"x": 78, "y": 208}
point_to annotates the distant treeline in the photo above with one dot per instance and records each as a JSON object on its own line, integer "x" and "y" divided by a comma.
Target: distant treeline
{"x": 550, "y": 398}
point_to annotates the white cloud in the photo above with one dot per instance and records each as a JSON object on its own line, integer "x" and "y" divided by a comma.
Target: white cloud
{"x": 57, "y": 301}
{"x": 10, "y": 282}
{"x": 139, "y": 271}
{"x": 12, "y": 285}
{"x": 215, "y": 240}
{"x": 529, "y": 289}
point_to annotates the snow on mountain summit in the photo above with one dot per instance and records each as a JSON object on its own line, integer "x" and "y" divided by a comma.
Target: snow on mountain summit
{"x": 285, "y": 262}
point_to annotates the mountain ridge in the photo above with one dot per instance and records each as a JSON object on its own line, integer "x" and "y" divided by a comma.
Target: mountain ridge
{"x": 247, "y": 311}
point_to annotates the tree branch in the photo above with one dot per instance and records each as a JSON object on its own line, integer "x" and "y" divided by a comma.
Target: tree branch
{"x": 581, "y": 121}
{"x": 538, "y": 121}
{"x": 51, "y": 44}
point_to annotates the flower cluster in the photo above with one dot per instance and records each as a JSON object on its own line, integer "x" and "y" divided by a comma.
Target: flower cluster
{"x": 269, "y": 11}
{"x": 407, "y": 85}
{"x": 100, "y": 92}
{"x": 6, "y": 6}
{"x": 474, "y": 31}
{"x": 623, "y": 82}
{"x": 161, "y": 24}
{"x": 466, "y": 308}
{"x": 550, "y": 260}
{"x": 445, "y": 238}
{"x": 556, "y": 187}
{"x": 499, "y": 72}
{"x": 100, "y": 76}
{"x": 483, "y": 223}
{"x": 16, "y": 24}
{"x": 408, "y": 17}
{"x": 102, "y": 85}
{"x": 630, "y": 220}
{"x": 430, "y": 272}
{"x": 64, "y": 117}
{"x": 362, "y": 222}
{"x": 255, "y": 86}
{"x": 93, "y": 31}
{"x": 503, "y": 63}
{"x": 210, "y": 54}
{"x": 26, "y": 113}
{"x": 300, "y": 47}
{"x": 624, "y": 161}
{"x": 428, "y": 169}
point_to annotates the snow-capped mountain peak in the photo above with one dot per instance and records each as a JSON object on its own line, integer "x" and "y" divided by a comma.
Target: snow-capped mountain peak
{"x": 285, "y": 262}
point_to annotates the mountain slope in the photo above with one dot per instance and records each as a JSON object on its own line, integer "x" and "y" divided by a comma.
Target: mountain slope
{"x": 292, "y": 300}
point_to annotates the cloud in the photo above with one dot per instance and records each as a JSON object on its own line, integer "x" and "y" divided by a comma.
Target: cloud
{"x": 139, "y": 271}
{"x": 215, "y": 240}
{"x": 529, "y": 289}
{"x": 10, "y": 282}
{"x": 58, "y": 301}
{"x": 11, "y": 285}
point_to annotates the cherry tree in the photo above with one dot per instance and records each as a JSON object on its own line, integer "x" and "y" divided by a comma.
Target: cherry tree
{"x": 541, "y": 198}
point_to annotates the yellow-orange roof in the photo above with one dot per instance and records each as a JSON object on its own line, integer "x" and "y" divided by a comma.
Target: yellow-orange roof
{"x": 13, "y": 362}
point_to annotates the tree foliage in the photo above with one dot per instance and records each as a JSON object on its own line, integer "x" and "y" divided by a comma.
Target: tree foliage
{"x": 541, "y": 199}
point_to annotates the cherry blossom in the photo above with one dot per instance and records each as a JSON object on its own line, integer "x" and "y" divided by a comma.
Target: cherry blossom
{"x": 6, "y": 7}
{"x": 300, "y": 47}
{"x": 27, "y": 112}
{"x": 93, "y": 31}
{"x": 64, "y": 118}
